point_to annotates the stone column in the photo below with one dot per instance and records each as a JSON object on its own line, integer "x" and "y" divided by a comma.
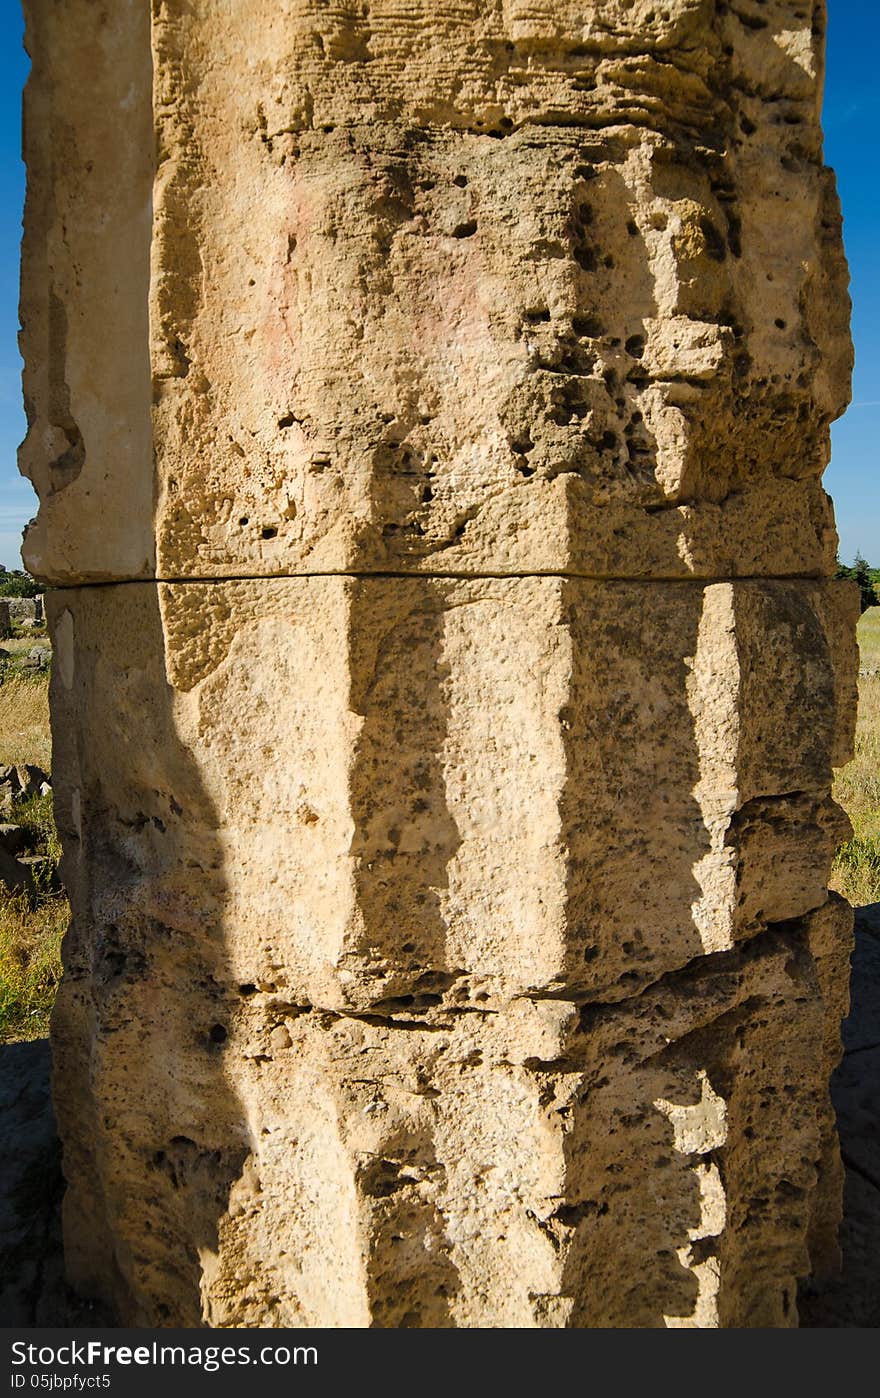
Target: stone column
{"x": 428, "y": 404}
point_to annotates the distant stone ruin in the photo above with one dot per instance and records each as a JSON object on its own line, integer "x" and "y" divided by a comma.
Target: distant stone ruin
{"x": 24, "y": 612}
{"x": 428, "y": 410}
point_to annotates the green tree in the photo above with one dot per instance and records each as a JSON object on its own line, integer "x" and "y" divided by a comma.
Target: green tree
{"x": 860, "y": 573}
{"x": 18, "y": 585}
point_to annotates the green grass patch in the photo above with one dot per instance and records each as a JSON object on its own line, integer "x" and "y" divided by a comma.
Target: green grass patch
{"x": 33, "y": 923}
{"x": 30, "y": 963}
{"x": 868, "y": 632}
{"x": 856, "y": 872}
{"x": 37, "y": 818}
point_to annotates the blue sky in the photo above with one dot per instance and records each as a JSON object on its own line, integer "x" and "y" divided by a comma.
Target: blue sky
{"x": 17, "y": 500}
{"x": 852, "y": 120}
{"x": 851, "y": 115}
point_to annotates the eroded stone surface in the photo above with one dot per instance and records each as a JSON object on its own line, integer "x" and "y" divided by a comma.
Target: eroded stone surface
{"x": 441, "y": 789}
{"x": 84, "y": 300}
{"x": 379, "y": 813}
{"x": 505, "y": 1166}
{"x": 447, "y": 819}
{"x": 465, "y": 289}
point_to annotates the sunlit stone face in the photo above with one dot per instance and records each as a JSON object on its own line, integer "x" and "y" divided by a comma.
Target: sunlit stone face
{"x": 477, "y": 290}
{"x": 445, "y": 796}
{"x": 488, "y": 354}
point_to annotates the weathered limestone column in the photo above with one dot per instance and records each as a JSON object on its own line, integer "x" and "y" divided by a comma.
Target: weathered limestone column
{"x": 428, "y": 407}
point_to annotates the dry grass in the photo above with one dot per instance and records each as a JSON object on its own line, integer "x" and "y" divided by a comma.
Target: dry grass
{"x": 24, "y": 720}
{"x": 30, "y": 963}
{"x": 21, "y": 644}
{"x": 856, "y": 871}
{"x": 31, "y": 927}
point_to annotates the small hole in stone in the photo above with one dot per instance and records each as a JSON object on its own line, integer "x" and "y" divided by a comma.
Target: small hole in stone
{"x": 716, "y": 246}
{"x": 780, "y": 324}
{"x": 244, "y": 520}
{"x": 269, "y": 532}
{"x": 247, "y": 989}
{"x": 465, "y": 230}
{"x": 632, "y": 228}
{"x": 218, "y": 1034}
{"x": 287, "y": 420}
{"x": 461, "y": 181}
{"x": 589, "y": 326}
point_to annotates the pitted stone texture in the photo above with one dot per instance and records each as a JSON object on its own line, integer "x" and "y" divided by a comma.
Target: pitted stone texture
{"x": 579, "y": 308}
{"x": 640, "y": 1164}
{"x": 440, "y": 791}
{"x": 85, "y": 289}
{"x": 372, "y": 824}
{"x": 447, "y": 817}
{"x": 548, "y": 1168}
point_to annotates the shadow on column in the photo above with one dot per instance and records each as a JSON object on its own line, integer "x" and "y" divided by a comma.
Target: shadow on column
{"x": 153, "y": 1133}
